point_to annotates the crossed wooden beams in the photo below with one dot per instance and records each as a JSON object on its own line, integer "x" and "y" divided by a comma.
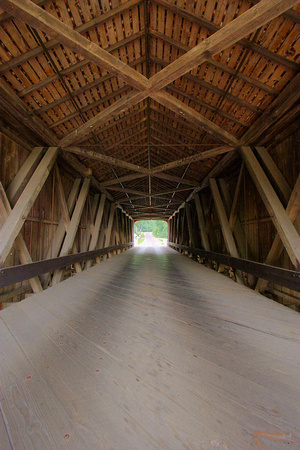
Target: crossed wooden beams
{"x": 236, "y": 30}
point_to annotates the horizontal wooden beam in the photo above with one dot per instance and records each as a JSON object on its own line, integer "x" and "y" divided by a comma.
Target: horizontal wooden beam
{"x": 106, "y": 159}
{"x": 16, "y": 274}
{"x": 283, "y": 277}
{"x": 190, "y": 159}
{"x": 134, "y": 176}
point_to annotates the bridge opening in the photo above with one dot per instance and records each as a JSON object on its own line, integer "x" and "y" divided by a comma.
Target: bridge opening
{"x": 150, "y": 233}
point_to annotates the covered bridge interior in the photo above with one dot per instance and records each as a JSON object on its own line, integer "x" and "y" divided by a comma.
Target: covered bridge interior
{"x": 113, "y": 112}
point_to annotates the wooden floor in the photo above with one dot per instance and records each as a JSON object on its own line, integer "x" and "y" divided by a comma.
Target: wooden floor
{"x": 149, "y": 350}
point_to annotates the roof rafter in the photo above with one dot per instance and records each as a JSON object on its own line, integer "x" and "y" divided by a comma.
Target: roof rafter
{"x": 231, "y": 33}
{"x": 213, "y": 28}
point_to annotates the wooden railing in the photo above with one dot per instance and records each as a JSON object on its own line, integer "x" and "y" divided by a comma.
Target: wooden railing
{"x": 23, "y": 272}
{"x": 283, "y": 277}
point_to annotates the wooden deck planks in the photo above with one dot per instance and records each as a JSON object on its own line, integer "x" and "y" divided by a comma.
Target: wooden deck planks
{"x": 150, "y": 350}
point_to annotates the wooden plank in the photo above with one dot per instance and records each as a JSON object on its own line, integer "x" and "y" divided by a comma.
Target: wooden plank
{"x": 275, "y": 173}
{"x": 106, "y": 159}
{"x": 234, "y": 206}
{"x": 95, "y": 234}
{"x": 19, "y": 181}
{"x": 109, "y": 227}
{"x": 65, "y": 212}
{"x": 277, "y": 275}
{"x": 292, "y": 211}
{"x": 285, "y": 100}
{"x": 190, "y": 159}
{"x": 19, "y": 244}
{"x": 83, "y": 28}
{"x": 190, "y": 225}
{"x": 38, "y": 18}
{"x": 226, "y": 231}
{"x": 72, "y": 229}
{"x": 283, "y": 224}
{"x": 172, "y": 103}
{"x": 213, "y": 27}
{"x": 16, "y": 274}
{"x": 17, "y": 217}
{"x": 201, "y": 224}
{"x": 165, "y": 176}
{"x": 61, "y": 229}
{"x": 226, "y": 36}
{"x": 134, "y": 176}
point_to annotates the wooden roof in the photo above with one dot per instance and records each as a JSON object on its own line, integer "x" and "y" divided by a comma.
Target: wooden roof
{"x": 148, "y": 115}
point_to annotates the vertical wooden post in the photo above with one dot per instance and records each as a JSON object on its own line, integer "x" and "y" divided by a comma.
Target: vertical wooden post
{"x": 237, "y": 229}
{"x": 201, "y": 224}
{"x": 72, "y": 230}
{"x": 98, "y": 222}
{"x": 192, "y": 239}
{"x": 226, "y": 231}
{"x": 17, "y": 217}
{"x": 20, "y": 245}
{"x": 234, "y": 205}
{"x": 109, "y": 227}
{"x": 177, "y": 227}
{"x": 283, "y": 224}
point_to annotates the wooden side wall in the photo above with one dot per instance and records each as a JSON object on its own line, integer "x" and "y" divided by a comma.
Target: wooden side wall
{"x": 259, "y": 230}
{"x": 41, "y": 223}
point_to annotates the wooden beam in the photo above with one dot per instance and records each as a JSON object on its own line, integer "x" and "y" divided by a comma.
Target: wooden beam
{"x": 277, "y": 275}
{"x": 172, "y": 103}
{"x": 214, "y": 28}
{"x": 17, "y": 217}
{"x": 106, "y": 159}
{"x": 223, "y": 67}
{"x": 225, "y": 37}
{"x": 95, "y": 234}
{"x": 283, "y": 224}
{"x": 146, "y": 194}
{"x": 72, "y": 229}
{"x": 223, "y": 219}
{"x": 165, "y": 176}
{"x": 134, "y": 176}
{"x": 38, "y": 18}
{"x": 19, "y": 181}
{"x": 55, "y": 245}
{"x": 190, "y": 225}
{"x": 109, "y": 226}
{"x": 84, "y": 171}
{"x": 201, "y": 224}
{"x": 117, "y": 108}
{"x": 205, "y": 85}
{"x": 234, "y": 206}
{"x": 16, "y": 274}
{"x": 285, "y": 100}
{"x": 292, "y": 211}
{"x": 19, "y": 109}
{"x": 276, "y": 175}
{"x": 19, "y": 244}
{"x": 190, "y": 159}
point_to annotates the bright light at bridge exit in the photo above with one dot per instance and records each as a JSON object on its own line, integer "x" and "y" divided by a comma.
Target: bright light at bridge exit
{"x": 150, "y": 233}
